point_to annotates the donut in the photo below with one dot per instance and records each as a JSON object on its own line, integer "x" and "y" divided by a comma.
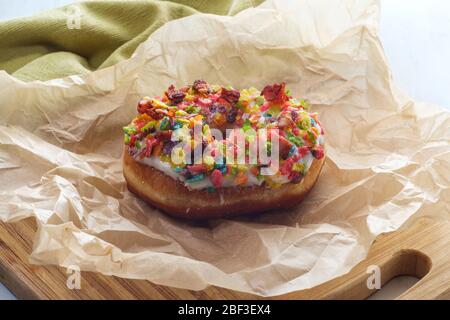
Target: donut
{"x": 207, "y": 151}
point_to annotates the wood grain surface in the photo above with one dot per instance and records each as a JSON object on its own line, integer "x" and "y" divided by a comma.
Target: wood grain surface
{"x": 422, "y": 250}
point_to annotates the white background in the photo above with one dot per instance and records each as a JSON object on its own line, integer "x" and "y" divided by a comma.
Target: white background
{"x": 416, "y": 39}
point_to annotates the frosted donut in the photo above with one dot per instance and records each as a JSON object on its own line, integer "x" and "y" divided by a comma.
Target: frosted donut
{"x": 216, "y": 186}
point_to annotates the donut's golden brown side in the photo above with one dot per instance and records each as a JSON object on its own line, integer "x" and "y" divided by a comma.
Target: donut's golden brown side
{"x": 174, "y": 198}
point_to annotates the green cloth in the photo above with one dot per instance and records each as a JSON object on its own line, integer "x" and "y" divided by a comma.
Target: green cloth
{"x": 42, "y": 47}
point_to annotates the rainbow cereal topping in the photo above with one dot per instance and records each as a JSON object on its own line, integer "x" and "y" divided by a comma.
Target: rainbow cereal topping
{"x": 201, "y": 107}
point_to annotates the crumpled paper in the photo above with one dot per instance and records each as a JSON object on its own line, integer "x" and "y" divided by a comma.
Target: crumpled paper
{"x": 388, "y": 157}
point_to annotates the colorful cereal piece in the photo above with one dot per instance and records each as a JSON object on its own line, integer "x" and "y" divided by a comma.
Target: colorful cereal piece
{"x": 216, "y": 178}
{"x": 241, "y": 179}
{"x": 196, "y": 178}
{"x": 318, "y": 152}
{"x": 197, "y": 168}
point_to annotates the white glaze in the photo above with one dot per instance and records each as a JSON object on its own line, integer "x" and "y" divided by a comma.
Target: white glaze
{"x": 228, "y": 181}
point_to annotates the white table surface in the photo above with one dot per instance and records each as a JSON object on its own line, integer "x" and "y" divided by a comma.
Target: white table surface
{"x": 416, "y": 39}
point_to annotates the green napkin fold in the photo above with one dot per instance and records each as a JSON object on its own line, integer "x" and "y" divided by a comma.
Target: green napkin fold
{"x": 50, "y": 45}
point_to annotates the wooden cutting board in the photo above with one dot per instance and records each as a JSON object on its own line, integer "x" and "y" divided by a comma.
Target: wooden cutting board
{"x": 422, "y": 250}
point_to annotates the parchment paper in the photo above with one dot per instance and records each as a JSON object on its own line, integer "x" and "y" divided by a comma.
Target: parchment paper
{"x": 388, "y": 157}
